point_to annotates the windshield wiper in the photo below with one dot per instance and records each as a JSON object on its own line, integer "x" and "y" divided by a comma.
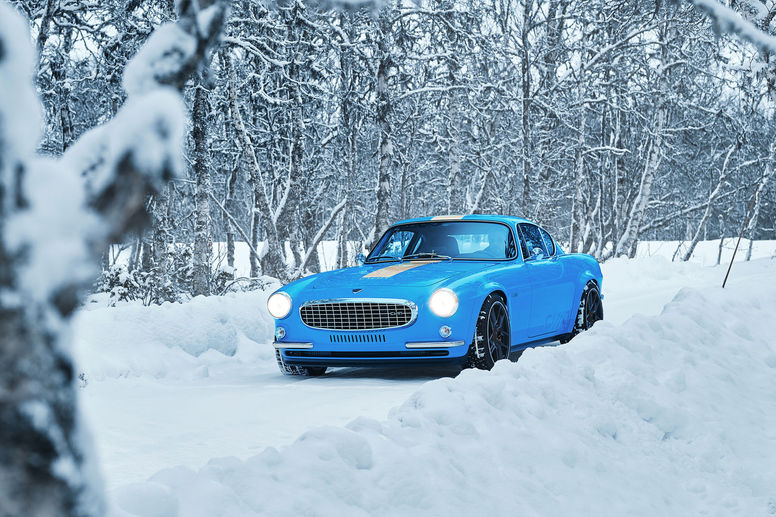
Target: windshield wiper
{"x": 380, "y": 259}
{"x": 427, "y": 254}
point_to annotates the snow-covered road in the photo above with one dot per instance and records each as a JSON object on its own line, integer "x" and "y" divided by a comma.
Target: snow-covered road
{"x": 170, "y": 408}
{"x": 142, "y": 425}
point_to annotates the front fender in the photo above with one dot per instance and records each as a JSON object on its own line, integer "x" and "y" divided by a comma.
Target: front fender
{"x": 471, "y": 296}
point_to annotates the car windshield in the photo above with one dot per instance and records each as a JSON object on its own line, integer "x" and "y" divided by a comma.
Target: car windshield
{"x": 449, "y": 240}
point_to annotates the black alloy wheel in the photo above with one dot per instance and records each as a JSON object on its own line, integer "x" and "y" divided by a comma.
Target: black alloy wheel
{"x": 594, "y": 309}
{"x": 591, "y": 309}
{"x": 492, "y": 337}
{"x": 497, "y": 332}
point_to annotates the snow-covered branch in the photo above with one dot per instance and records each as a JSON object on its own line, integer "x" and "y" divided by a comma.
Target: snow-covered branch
{"x": 53, "y": 231}
{"x": 727, "y": 20}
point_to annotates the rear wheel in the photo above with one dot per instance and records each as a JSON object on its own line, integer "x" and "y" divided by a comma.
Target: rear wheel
{"x": 591, "y": 309}
{"x": 492, "y": 341}
{"x": 289, "y": 369}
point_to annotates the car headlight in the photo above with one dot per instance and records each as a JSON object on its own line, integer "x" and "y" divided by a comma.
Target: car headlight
{"x": 443, "y": 303}
{"x": 279, "y": 305}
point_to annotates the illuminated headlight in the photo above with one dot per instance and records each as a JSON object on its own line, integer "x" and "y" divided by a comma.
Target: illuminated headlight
{"x": 443, "y": 303}
{"x": 279, "y": 305}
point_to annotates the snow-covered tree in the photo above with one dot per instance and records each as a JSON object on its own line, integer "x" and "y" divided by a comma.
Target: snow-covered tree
{"x": 57, "y": 215}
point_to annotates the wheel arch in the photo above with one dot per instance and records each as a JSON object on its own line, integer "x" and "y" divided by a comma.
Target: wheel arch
{"x": 585, "y": 275}
{"x": 494, "y": 288}
{"x": 477, "y": 296}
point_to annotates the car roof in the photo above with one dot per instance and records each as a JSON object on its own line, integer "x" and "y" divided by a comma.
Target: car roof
{"x": 471, "y": 217}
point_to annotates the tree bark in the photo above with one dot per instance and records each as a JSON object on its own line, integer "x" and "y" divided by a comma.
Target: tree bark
{"x": 385, "y": 145}
{"x": 577, "y": 212}
{"x": 203, "y": 240}
{"x": 526, "y": 128}
{"x": 630, "y": 236}
{"x": 272, "y": 254}
{"x": 46, "y": 464}
{"x": 231, "y": 208}
{"x": 723, "y": 178}
{"x": 752, "y": 226}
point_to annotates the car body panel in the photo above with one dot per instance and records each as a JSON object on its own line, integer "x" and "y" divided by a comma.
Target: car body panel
{"x": 542, "y": 296}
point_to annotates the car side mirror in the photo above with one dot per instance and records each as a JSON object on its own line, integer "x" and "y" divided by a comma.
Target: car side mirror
{"x": 360, "y": 259}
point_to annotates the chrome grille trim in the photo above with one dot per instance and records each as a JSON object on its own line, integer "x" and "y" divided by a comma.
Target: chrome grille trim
{"x": 358, "y": 314}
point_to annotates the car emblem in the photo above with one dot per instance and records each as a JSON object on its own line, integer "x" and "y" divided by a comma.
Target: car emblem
{"x": 356, "y": 291}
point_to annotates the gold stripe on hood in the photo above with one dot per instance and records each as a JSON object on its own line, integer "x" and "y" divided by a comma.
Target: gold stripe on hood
{"x": 389, "y": 271}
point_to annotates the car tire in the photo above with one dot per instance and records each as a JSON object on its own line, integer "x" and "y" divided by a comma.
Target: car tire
{"x": 514, "y": 356}
{"x": 591, "y": 309}
{"x": 306, "y": 371}
{"x": 492, "y": 336}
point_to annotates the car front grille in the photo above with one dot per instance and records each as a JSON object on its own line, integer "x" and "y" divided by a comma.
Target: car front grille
{"x": 358, "y": 314}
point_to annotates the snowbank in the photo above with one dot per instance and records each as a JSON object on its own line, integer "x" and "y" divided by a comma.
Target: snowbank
{"x": 173, "y": 339}
{"x": 663, "y": 415}
{"x": 706, "y": 252}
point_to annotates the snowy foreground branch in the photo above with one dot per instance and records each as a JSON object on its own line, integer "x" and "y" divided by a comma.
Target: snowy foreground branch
{"x": 726, "y": 19}
{"x": 56, "y": 217}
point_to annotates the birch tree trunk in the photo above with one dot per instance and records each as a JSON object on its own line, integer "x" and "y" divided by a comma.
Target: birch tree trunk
{"x": 348, "y": 131}
{"x": 261, "y": 211}
{"x": 723, "y": 178}
{"x": 385, "y": 145}
{"x": 577, "y": 213}
{"x": 721, "y": 238}
{"x": 630, "y": 234}
{"x": 231, "y": 208}
{"x": 160, "y": 222}
{"x": 203, "y": 240}
{"x": 526, "y": 128}
{"x": 752, "y": 225}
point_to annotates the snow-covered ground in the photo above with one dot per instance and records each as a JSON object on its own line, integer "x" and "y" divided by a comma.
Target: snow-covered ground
{"x": 666, "y": 408}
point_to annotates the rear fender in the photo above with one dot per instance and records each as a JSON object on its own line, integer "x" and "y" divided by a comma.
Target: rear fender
{"x": 584, "y": 277}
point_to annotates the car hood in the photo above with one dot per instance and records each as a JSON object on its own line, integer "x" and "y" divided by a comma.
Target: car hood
{"x": 409, "y": 273}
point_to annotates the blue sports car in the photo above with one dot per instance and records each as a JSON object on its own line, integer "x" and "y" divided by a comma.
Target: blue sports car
{"x": 466, "y": 290}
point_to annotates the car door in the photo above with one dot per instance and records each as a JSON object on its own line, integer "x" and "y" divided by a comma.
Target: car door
{"x": 545, "y": 274}
{"x": 563, "y": 291}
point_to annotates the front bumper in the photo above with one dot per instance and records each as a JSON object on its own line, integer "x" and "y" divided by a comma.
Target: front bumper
{"x": 368, "y": 359}
{"x": 294, "y": 345}
{"x": 369, "y": 349}
{"x": 419, "y": 342}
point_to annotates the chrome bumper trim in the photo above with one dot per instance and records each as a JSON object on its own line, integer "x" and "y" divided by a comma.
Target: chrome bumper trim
{"x": 291, "y": 345}
{"x": 434, "y": 344}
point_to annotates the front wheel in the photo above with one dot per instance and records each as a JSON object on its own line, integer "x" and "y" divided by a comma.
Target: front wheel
{"x": 492, "y": 341}
{"x": 306, "y": 371}
{"x": 591, "y": 309}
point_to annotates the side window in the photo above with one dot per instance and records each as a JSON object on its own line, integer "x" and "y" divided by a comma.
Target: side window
{"x": 534, "y": 243}
{"x": 511, "y": 249}
{"x": 521, "y": 236}
{"x": 548, "y": 242}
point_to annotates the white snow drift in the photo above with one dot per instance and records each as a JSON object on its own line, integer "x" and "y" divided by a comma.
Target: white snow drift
{"x": 171, "y": 340}
{"x": 673, "y": 414}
